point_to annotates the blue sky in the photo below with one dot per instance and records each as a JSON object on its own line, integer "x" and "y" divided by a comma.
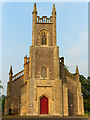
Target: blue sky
{"x": 72, "y": 34}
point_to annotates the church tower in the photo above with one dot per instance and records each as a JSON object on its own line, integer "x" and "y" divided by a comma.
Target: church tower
{"x": 43, "y": 87}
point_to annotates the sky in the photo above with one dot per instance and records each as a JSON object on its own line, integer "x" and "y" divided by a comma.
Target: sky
{"x": 89, "y": 39}
{"x": 72, "y": 34}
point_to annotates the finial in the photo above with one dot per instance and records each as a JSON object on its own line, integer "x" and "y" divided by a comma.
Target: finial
{"x": 34, "y": 9}
{"x": 34, "y": 6}
{"x": 77, "y": 71}
{"x": 26, "y": 56}
{"x": 54, "y": 9}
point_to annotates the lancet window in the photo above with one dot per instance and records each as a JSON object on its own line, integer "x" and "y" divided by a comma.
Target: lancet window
{"x": 43, "y": 72}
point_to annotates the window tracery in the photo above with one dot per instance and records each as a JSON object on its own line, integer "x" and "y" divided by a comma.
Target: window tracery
{"x": 44, "y": 39}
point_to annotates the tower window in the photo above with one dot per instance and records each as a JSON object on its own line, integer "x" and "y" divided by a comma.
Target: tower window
{"x": 44, "y": 39}
{"x": 44, "y": 72}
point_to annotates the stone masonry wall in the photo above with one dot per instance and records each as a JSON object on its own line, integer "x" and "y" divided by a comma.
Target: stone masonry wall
{"x": 72, "y": 86}
{"x": 44, "y": 57}
{"x": 23, "y": 110}
{"x": 15, "y": 94}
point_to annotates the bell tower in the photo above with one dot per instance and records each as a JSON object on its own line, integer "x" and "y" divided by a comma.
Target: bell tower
{"x": 44, "y": 66}
{"x": 44, "y": 46}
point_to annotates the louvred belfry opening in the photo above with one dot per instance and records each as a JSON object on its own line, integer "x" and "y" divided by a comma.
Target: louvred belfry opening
{"x": 44, "y": 105}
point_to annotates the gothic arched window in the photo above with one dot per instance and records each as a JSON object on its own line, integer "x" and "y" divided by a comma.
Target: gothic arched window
{"x": 44, "y": 39}
{"x": 43, "y": 72}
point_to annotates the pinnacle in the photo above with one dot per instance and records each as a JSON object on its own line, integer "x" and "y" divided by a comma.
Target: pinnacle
{"x": 35, "y": 6}
{"x": 54, "y": 9}
{"x": 77, "y": 71}
{"x": 11, "y": 70}
{"x": 34, "y": 9}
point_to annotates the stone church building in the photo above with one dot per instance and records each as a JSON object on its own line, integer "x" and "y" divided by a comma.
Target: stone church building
{"x": 44, "y": 87}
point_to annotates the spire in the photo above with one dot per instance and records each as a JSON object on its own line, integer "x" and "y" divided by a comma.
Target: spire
{"x": 10, "y": 74}
{"x": 54, "y": 9}
{"x": 34, "y": 9}
{"x": 77, "y": 71}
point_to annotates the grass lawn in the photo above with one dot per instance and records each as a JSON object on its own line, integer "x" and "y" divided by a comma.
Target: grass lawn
{"x": 87, "y": 114}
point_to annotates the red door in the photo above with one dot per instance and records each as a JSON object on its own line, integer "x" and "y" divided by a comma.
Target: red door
{"x": 44, "y": 105}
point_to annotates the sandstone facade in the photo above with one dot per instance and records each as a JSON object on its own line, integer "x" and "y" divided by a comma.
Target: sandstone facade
{"x": 45, "y": 87}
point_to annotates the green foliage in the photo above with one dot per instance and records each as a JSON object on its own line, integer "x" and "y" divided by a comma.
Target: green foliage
{"x": 3, "y": 102}
{"x": 87, "y": 114}
{"x": 0, "y": 103}
{"x": 66, "y": 67}
{"x": 0, "y": 96}
{"x": 85, "y": 85}
{"x": 1, "y": 87}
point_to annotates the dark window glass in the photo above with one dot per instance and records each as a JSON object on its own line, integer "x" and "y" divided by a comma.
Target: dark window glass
{"x": 44, "y": 39}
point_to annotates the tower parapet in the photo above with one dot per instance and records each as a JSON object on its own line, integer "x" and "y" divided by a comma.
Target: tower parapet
{"x": 44, "y": 19}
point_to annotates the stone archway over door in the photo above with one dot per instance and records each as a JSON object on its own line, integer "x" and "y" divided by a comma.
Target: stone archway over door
{"x": 44, "y": 105}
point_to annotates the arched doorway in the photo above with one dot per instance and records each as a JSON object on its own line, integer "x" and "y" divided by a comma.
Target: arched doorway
{"x": 44, "y": 105}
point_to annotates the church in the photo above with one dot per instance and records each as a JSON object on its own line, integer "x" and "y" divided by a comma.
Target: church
{"x": 44, "y": 87}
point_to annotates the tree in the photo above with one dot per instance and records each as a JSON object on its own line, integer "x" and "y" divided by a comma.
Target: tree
{"x": 0, "y": 96}
{"x": 1, "y": 84}
{"x": 85, "y": 85}
{"x": 3, "y": 102}
{"x": 66, "y": 67}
